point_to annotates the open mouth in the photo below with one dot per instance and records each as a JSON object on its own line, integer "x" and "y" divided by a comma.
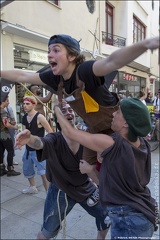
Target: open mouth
{"x": 69, "y": 118}
{"x": 53, "y": 64}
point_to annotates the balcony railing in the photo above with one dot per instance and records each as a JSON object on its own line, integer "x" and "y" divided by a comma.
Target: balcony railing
{"x": 113, "y": 40}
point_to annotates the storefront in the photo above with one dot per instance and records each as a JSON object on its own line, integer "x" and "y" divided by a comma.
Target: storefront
{"x": 128, "y": 84}
{"x": 27, "y": 59}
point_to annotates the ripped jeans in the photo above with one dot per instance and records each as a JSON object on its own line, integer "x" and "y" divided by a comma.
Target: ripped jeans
{"x": 51, "y": 218}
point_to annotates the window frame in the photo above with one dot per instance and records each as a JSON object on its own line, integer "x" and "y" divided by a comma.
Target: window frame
{"x": 109, "y": 13}
{"x": 139, "y": 30}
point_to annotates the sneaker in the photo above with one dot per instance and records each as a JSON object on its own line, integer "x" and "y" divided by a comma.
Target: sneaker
{"x": 94, "y": 198}
{"x": 30, "y": 190}
{"x": 15, "y": 163}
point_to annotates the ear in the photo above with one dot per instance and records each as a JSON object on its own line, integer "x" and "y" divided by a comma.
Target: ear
{"x": 125, "y": 125}
{"x": 71, "y": 58}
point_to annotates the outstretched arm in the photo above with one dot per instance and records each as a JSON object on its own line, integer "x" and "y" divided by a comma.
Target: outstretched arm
{"x": 96, "y": 142}
{"x": 124, "y": 56}
{"x": 25, "y": 137}
{"x": 21, "y": 76}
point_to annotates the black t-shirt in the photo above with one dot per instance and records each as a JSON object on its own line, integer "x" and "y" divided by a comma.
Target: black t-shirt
{"x": 124, "y": 176}
{"x": 62, "y": 167}
{"x": 95, "y": 86}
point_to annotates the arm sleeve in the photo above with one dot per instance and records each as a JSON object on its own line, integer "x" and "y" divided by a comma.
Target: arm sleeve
{"x": 48, "y": 146}
{"x": 86, "y": 75}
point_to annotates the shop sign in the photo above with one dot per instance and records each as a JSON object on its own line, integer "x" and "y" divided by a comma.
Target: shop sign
{"x": 129, "y": 77}
{"x": 37, "y": 56}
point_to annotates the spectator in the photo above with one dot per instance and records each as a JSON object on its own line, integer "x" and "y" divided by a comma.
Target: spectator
{"x": 37, "y": 124}
{"x": 12, "y": 131}
{"x": 149, "y": 98}
{"x": 6, "y": 141}
{"x": 156, "y": 102}
{"x": 35, "y": 89}
{"x": 143, "y": 94}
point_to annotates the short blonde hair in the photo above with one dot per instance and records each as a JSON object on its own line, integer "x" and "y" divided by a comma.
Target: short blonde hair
{"x": 31, "y": 99}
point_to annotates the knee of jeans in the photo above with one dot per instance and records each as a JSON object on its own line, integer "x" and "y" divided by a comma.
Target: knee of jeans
{"x": 49, "y": 215}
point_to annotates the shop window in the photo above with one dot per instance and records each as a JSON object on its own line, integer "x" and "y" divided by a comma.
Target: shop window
{"x": 28, "y": 59}
{"x": 139, "y": 30}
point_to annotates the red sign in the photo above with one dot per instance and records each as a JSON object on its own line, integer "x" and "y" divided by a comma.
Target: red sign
{"x": 129, "y": 77}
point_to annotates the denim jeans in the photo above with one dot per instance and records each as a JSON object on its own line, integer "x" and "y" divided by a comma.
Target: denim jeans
{"x": 29, "y": 164}
{"x": 51, "y": 219}
{"x": 127, "y": 223}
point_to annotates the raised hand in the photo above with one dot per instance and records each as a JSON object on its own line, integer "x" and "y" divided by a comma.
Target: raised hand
{"x": 153, "y": 43}
{"x": 22, "y": 138}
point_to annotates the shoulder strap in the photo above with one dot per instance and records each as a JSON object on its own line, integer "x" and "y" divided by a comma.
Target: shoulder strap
{"x": 60, "y": 92}
{"x": 61, "y": 89}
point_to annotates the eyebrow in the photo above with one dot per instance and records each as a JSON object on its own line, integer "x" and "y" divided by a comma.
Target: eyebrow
{"x": 54, "y": 46}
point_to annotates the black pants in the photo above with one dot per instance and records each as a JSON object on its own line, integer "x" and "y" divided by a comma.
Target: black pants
{"x": 7, "y": 145}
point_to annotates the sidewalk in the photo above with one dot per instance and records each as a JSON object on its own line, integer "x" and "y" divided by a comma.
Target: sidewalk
{"x": 21, "y": 214}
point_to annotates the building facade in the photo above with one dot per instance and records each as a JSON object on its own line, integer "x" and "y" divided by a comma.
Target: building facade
{"x": 102, "y": 27}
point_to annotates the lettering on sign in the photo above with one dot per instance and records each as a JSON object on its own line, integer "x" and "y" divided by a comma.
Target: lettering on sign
{"x": 36, "y": 56}
{"x": 129, "y": 77}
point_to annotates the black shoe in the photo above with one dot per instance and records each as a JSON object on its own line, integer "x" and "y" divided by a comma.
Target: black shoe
{"x": 12, "y": 173}
{"x": 3, "y": 171}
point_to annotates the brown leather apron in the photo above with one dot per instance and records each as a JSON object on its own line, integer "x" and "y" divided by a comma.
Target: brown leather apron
{"x": 97, "y": 122}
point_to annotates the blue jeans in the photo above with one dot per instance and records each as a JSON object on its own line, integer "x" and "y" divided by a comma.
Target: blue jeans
{"x": 51, "y": 221}
{"x": 128, "y": 223}
{"x": 29, "y": 164}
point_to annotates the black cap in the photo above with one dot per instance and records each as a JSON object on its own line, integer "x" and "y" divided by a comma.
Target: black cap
{"x": 65, "y": 40}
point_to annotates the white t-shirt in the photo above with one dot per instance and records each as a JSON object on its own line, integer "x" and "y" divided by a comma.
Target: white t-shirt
{"x": 144, "y": 102}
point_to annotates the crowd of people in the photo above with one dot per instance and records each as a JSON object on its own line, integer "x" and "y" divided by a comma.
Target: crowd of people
{"x": 114, "y": 146}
